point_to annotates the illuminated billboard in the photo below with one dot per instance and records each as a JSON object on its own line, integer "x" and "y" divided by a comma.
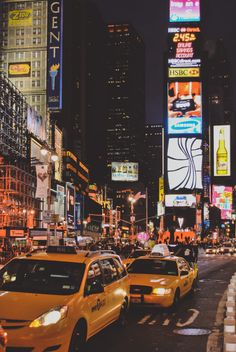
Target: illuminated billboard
{"x": 184, "y": 10}
{"x": 180, "y": 200}
{"x": 184, "y": 108}
{"x": 36, "y": 123}
{"x": 184, "y": 47}
{"x": 19, "y": 69}
{"x": 124, "y": 171}
{"x": 59, "y": 202}
{"x": 20, "y": 18}
{"x": 70, "y": 205}
{"x": 222, "y": 198}
{"x": 54, "y": 68}
{"x": 184, "y": 72}
{"x": 222, "y": 152}
{"x": 184, "y": 163}
{"x": 58, "y": 149}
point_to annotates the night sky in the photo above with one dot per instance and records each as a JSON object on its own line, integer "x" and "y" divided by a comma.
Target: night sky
{"x": 150, "y": 18}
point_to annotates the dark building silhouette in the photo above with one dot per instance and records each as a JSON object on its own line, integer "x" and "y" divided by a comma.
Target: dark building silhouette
{"x": 153, "y": 163}
{"x": 219, "y": 83}
{"x": 83, "y": 84}
{"x": 125, "y": 90}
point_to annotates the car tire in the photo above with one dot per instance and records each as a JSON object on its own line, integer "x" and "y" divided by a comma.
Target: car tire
{"x": 78, "y": 338}
{"x": 176, "y": 299}
{"x": 122, "y": 320}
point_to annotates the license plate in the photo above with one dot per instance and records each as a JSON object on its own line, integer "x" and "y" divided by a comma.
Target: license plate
{"x": 135, "y": 299}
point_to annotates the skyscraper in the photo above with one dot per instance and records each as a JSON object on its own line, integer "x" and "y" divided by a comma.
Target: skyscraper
{"x": 153, "y": 163}
{"x": 125, "y": 89}
{"x": 24, "y": 48}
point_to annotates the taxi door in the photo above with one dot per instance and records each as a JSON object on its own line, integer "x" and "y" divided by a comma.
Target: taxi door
{"x": 185, "y": 280}
{"x": 96, "y": 302}
{"x": 112, "y": 288}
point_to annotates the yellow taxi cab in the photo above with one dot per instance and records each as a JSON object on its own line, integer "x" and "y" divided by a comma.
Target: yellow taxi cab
{"x": 160, "y": 280}
{"x": 134, "y": 255}
{"x": 57, "y": 300}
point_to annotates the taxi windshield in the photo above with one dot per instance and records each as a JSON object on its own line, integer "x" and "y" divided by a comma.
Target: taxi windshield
{"x": 41, "y": 276}
{"x": 153, "y": 267}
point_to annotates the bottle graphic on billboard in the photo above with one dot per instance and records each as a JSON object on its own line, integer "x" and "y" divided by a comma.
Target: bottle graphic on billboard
{"x": 221, "y": 155}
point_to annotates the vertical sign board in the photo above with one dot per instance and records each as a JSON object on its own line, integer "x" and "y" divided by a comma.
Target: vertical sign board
{"x": 222, "y": 152}
{"x": 70, "y": 206}
{"x": 55, "y": 43}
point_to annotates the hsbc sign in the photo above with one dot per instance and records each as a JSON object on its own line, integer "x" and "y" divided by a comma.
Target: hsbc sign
{"x": 184, "y": 72}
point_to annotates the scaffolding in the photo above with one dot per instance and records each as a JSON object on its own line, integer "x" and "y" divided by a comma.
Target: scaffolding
{"x": 13, "y": 120}
{"x": 17, "y": 197}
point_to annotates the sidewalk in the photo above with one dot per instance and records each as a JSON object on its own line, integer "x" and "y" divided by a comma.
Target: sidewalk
{"x": 230, "y": 317}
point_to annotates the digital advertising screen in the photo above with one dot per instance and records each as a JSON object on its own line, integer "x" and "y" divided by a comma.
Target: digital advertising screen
{"x": 222, "y": 198}
{"x": 124, "y": 171}
{"x": 182, "y": 72}
{"x": 184, "y": 10}
{"x": 180, "y": 200}
{"x": 184, "y": 163}
{"x": 184, "y": 47}
{"x": 36, "y": 123}
{"x": 70, "y": 205}
{"x": 184, "y": 108}
{"x": 222, "y": 152}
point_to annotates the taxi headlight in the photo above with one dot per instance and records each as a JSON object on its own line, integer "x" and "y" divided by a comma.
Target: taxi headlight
{"x": 161, "y": 291}
{"x": 53, "y": 316}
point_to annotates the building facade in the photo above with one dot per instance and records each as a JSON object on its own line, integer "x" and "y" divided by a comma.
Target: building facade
{"x": 125, "y": 90}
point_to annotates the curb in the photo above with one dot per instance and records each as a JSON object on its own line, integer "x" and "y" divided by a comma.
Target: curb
{"x": 230, "y": 319}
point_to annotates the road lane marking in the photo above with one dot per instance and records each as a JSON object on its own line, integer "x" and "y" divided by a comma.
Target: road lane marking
{"x": 190, "y": 320}
{"x": 144, "y": 319}
{"x": 166, "y": 322}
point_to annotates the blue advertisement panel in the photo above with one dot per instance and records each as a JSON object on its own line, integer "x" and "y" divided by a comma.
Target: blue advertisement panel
{"x": 54, "y": 68}
{"x": 70, "y": 206}
{"x": 184, "y": 108}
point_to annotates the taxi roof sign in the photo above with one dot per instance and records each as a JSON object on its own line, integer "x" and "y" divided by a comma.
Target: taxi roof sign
{"x": 160, "y": 250}
{"x": 61, "y": 249}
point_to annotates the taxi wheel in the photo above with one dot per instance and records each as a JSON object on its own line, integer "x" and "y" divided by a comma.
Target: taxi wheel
{"x": 176, "y": 298}
{"x": 78, "y": 339}
{"x": 122, "y": 320}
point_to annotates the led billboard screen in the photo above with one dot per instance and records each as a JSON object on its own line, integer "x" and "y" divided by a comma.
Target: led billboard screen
{"x": 184, "y": 10}
{"x": 36, "y": 123}
{"x": 184, "y": 46}
{"x": 124, "y": 171}
{"x": 222, "y": 198}
{"x": 222, "y": 152}
{"x": 184, "y": 108}
{"x": 182, "y": 72}
{"x": 70, "y": 205}
{"x": 180, "y": 200}
{"x": 184, "y": 163}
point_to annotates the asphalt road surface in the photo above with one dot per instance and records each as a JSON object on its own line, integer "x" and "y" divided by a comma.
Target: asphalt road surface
{"x": 199, "y": 317}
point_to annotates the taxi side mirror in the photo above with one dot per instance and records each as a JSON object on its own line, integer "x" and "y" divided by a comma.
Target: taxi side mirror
{"x": 184, "y": 273}
{"x": 96, "y": 287}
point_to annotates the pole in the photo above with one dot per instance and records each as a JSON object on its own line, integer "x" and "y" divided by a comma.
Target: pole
{"x": 146, "y": 211}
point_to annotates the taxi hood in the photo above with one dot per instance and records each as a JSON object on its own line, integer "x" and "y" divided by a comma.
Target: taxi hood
{"x": 151, "y": 280}
{"x": 28, "y": 306}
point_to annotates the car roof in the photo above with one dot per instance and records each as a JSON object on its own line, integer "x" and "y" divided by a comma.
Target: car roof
{"x": 79, "y": 257}
{"x": 169, "y": 257}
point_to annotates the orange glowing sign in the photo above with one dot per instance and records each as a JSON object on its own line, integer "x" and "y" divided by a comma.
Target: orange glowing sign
{"x": 21, "y": 69}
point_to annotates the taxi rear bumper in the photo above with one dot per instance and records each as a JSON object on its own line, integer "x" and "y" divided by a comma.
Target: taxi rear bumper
{"x": 152, "y": 299}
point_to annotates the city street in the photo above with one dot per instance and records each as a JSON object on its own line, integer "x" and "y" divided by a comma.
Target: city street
{"x": 155, "y": 330}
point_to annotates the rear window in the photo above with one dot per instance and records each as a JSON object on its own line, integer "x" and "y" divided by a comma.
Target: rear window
{"x": 153, "y": 266}
{"x": 41, "y": 276}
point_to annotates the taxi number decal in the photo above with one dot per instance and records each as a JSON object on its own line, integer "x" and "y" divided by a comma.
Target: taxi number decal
{"x": 98, "y": 305}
